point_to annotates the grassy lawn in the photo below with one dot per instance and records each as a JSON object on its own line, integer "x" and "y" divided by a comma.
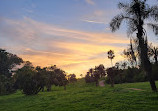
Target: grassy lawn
{"x": 85, "y": 97}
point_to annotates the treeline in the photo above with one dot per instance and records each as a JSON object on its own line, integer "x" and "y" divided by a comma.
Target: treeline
{"x": 127, "y": 71}
{"x": 116, "y": 75}
{"x": 29, "y": 79}
{"x": 130, "y": 75}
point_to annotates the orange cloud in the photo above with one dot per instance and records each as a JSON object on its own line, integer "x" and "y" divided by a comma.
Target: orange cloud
{"x": 72, "y": 50}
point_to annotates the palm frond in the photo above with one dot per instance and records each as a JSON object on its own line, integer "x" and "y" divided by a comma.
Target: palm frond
{"x": 131, "y": 27}
{"x": 154, "y": 13}
{"x": 116, "y": 22}
{"x": 124, "y": 6}
{"x": 154, "y": 28}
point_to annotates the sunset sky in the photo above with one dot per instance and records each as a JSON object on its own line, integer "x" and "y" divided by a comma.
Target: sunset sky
{"x": 72, "y": 34}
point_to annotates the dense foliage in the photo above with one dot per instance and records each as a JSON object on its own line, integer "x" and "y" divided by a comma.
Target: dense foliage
{"x": 8, "y": 61}
{"x": 32, "y": 80}
{"x": 29, "y": 79}
{"x": 94, "y": 74}
{"x": 72, "y": 78}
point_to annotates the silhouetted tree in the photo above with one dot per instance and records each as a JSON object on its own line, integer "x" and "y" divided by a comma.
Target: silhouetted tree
{"x": 6, "y": 85}
{"x": 131, "y": 54}
{"x": 135, "y": 13}
{"x": 28, "y": 80}
{"x": 153, "y": 51}
{"x": 72, "y": 78}
{"x": 7, "y": 62}
{"x": 42, "y": 74}
{"x": 81, "y": 75}
{"x": 111, "y": 73}
{"x": 117, "y": 65}
{"x": 124, "y": 65}
{"x": 94, "y": 74}
{"x": 111, "y": 55}
{"x": 99, "y": 71}
{"x": 87, "y": 78}
{"x": 50, "y": 75}
{"x": 61, "y": 77}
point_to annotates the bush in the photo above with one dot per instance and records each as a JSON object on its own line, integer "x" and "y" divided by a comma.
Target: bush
{"x": 130, "y": 75}
{"x": 28, "y": 80}
{"x": 72, "y": 78}
{"x": 6, "y": 85}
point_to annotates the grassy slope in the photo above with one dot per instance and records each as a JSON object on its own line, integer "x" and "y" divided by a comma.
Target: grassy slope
{"x": 85, "y": 97}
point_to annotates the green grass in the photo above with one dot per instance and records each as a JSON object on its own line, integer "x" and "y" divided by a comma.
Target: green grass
{"x": 85, "y": 97}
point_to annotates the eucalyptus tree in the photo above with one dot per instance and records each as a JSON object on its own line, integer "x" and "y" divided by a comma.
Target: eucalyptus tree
{"x": 136, "y": 13}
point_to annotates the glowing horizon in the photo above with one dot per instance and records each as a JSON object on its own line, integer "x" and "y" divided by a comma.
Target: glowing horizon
{"x": 75, "y": 37}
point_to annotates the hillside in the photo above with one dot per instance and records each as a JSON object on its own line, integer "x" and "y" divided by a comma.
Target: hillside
{"x": 85, "y": 97}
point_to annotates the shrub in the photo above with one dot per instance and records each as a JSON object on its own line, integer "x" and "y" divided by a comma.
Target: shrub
{"x": 6, "y": 85}
{"x": 28, "y": 80}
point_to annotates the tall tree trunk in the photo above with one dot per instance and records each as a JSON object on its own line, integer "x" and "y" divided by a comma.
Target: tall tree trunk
{"x": 64, "y": 87}
{"x": 111, "y": 63}
{"x": 155, "y": 59}
{"x": 112, "y": 81}
{"x": 143, "y": 49}
{"x": 97, "y": 82}
{"x": 49, "y": 87}
{"x": 151, "y": 80}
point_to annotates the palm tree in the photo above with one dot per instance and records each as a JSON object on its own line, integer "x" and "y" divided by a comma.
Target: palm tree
{"x": 135, "y": 13}
{"x": 111, "y": 55}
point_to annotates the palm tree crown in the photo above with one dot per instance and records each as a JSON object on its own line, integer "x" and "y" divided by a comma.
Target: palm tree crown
{"x": 111, "y": 55}
{"x": 135, "y": 13}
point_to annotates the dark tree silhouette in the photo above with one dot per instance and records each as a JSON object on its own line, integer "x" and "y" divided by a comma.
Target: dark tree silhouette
{"x": 131, "y": 54}
{"x": 111, "y": 55}
{"x": 99, "y": 71}
{"x": 61, "y": 77}
{"x": 95, "y": 74}
{"x": 117, "y": 65}
{"x": 81, "y": 75}
{"x": 7, "y": 62}
{"x": 153, "y": 51}
{"x": 135, "y": 13}
{"x": 111, "y": 73}
{"x": 72, "y": 78}
{"x": 28, "y": 80}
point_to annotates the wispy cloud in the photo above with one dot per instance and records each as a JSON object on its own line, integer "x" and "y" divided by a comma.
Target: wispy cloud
{"x": 93, "y": 21}
{"x": 29, "y": 10}
{"x": 91, "y": 2}
{"x": 99, "y": 16}
{"x": 73, "y": 50}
